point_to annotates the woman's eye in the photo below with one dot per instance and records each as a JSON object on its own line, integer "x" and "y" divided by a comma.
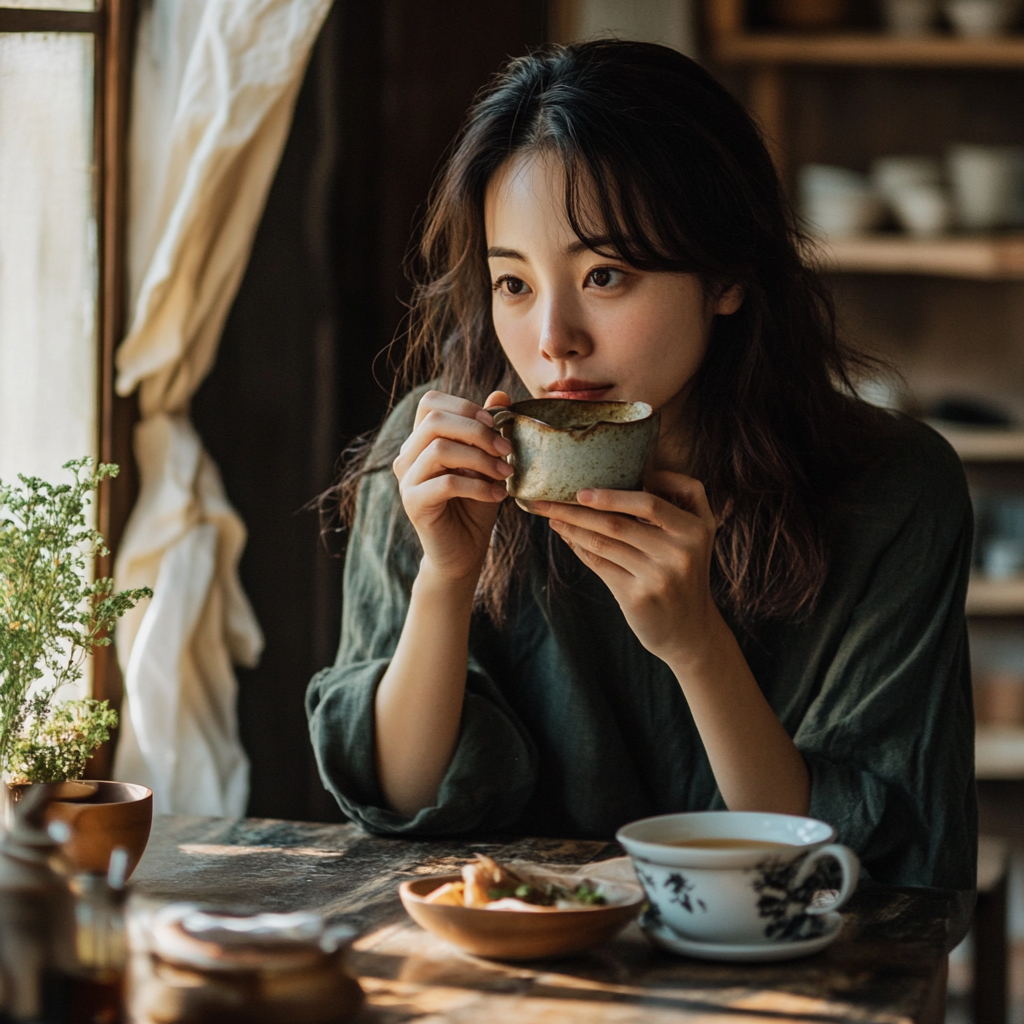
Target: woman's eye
{"x": 605, "y": 277}
{"x": 511, "y": 285}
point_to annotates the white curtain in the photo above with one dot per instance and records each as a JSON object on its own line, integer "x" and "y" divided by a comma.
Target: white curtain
{"x": 212, "y": 100}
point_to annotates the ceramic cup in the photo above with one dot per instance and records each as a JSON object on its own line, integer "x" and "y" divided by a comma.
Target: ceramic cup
{"x": 922, "y": 210}
{"x": 753, "y": 895}
{"x": 980, "y": 18}
{"x": 891, "y": 173}
{"x": 910, "y": 17}
{"x": 838, "y": 202}
{"x": 987, "y": 181}
{"x": 560, "y": 446}
{"x": 914, "y": 190}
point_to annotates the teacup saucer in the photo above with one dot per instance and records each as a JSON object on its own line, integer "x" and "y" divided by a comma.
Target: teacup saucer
{"x": 662, "y": 935}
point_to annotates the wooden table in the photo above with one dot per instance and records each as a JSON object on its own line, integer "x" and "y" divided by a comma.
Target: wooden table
{"x": 887, "y": 966}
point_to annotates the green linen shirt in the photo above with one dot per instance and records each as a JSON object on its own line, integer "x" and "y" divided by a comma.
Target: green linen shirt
{"x": 571, "y": 728}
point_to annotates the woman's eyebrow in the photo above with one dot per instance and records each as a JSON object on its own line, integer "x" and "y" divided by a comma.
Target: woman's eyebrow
{"x": 497, "y": 252}
{"x": 579, "y": 246}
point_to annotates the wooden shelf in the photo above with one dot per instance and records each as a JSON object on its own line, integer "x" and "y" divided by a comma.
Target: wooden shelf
{"x": 995, "y": 597}
{"x": 983, "y": 444}
{"x": 873, "y": 50}
{"x": 981, "y": 257}
{"x": 999, "y": 752}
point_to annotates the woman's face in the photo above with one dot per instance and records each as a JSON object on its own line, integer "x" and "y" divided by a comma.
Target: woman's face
{"x": 574, "y": 324}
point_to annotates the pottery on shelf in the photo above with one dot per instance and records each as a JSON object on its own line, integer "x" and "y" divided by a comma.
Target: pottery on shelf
{"x": 101, "y": 816}
{"x": 810, "y": 15}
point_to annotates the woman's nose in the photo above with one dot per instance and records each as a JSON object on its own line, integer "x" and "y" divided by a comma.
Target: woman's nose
{"x": 562, "y": 336}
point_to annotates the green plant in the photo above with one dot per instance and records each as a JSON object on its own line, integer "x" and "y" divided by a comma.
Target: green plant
{"x": 55, "y": 748}
{"x": 51, "y": 619}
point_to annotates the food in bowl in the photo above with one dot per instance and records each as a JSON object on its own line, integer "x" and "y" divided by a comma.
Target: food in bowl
{"x": 488, "y": 885}
{"x": 575, "y": 921}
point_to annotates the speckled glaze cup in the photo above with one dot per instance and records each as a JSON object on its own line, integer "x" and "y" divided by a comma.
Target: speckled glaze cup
{"x": 560, "y": 446}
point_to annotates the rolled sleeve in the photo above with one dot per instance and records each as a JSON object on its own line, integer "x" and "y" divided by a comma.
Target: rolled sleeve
{"x": 494, "y": 768}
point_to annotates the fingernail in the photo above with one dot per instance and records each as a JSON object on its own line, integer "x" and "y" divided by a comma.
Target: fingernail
{"x": 504, "y": 468}
{"x": 499, "y": 491}
{"x": 503, "y": 446}
{"x": 541, "y": 506}
{"x": 485, "y": 418}
{"x": 556, "y": 524}
{"x": 585, "y": 496}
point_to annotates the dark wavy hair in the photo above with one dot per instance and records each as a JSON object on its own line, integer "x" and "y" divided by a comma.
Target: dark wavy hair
{"x": 681, "y": 181}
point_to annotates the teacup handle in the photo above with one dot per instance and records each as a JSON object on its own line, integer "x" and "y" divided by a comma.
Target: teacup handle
{"x": 502, "y": 415}
{"x": 849, "y": 864}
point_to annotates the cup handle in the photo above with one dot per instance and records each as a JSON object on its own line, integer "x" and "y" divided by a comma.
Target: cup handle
{"x": 501, "y": 416}
{"x": 849, "y": 864}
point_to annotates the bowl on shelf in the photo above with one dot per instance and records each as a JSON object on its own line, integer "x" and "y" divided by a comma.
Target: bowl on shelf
{"x": 988, "y": 185}
{"x": 520, "y": 935}
{"x": 910, "y": 17}
{"x": 839, "y": 202}
{"x": 914, "y": 190}
{"x": 981, "y": 18}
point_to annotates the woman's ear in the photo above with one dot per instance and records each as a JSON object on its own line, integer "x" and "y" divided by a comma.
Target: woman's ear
{"x": 730, "y": 299}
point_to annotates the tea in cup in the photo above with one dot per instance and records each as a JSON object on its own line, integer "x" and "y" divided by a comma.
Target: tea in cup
{"x": 737, "y": 877}
{"x": 561, "y": 446}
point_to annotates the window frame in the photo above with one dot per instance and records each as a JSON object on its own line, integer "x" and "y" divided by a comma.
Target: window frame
{"x": 112, "y": 26}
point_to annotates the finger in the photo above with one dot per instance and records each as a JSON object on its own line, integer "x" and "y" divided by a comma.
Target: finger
{"x": 618, "y": 552}
{"x": 633, "y": 526}
{"x": 443, "y": 456}
{"x": 684, "y": 492}
{"x": 610, "y": 572}
{"x": 441, "y": 402}
{"x": 438, "y": 423}
{"x": 642, "y": 505}
{"x": 432, "y": 495}
{"x": 497, "y": 399}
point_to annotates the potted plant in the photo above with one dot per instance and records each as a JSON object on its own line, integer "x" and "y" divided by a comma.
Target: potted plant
{"x": 52, "y": 617}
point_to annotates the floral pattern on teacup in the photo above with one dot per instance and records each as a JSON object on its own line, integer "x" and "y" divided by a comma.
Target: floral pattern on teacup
{"x": 784, "y": 904}
{"x": 679, "y": 887}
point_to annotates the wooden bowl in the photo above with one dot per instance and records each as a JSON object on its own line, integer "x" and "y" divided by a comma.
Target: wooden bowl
{"x": 519, "y": 935}
{"x": 116, "y": 814}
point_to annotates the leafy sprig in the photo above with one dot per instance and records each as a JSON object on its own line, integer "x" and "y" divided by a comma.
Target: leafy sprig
{"x": 55, "y": 748}
{"x": 51, "y": 616}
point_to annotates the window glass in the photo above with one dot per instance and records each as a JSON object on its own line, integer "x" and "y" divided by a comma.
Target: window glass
{"x": 48, "y": 260}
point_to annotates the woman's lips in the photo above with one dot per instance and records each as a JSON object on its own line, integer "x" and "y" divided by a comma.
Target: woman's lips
{"x": 577, "y": 389}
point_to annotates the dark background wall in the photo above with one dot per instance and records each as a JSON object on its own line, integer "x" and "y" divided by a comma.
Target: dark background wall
{"x": 300, "y": 371}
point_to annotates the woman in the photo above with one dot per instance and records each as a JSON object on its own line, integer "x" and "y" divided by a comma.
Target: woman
{"x": 774, "y": 623}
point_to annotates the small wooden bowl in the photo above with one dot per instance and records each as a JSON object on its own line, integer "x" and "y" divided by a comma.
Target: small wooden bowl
{"x": 519, "y": 935}
{"x": 117, "y": 814}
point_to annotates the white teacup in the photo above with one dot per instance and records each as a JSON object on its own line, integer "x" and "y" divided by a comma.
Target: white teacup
{"x": 747, "y": 879}
{"x": 987, "y": 182}
{"x": 910, "y": 17}
{"x": 980, "y": 18}
{"x": 923, "y": 210}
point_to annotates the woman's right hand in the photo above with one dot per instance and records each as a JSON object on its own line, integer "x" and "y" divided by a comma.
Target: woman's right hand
{"x": 451, "y": 476}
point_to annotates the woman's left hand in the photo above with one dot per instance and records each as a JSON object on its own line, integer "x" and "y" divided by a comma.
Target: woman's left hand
{"x": 654, "y": 555}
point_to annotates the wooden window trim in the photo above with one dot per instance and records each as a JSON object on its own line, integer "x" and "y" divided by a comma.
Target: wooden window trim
{"x": 112, "y": 24}
{"x": 117, "y": 416}
{"x": 24, "y": 19}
